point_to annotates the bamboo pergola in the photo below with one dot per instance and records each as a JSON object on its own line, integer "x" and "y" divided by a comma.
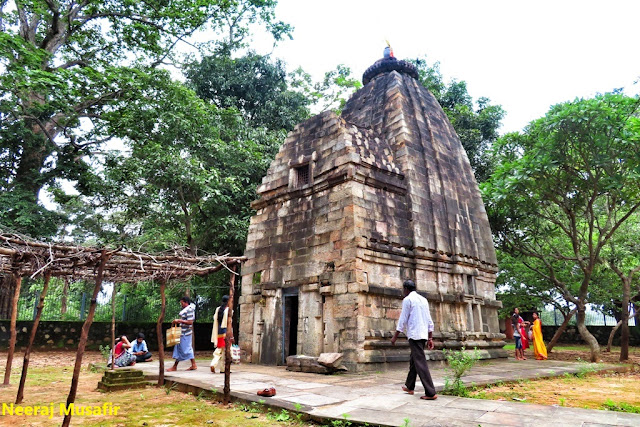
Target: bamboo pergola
{"x": 21, "y": 257}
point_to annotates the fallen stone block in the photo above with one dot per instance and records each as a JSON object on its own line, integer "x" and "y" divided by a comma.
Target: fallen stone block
{"x": 310, "y": 364}
{"x": 330, "y": 360}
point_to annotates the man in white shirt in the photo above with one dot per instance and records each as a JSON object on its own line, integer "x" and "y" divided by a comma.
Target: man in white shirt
{"x": 415, "y": 321}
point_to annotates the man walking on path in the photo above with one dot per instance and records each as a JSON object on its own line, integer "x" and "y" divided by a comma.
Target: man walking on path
{"x": 415, "y": 321}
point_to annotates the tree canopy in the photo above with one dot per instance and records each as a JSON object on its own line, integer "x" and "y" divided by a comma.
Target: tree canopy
{"x": 253, "y": 84}
{"x": 563, "y": 188}
{"x": 70, "y": 67}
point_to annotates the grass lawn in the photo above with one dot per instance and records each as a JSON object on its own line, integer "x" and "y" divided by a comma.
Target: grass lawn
{"x": 152, "y": 406}
{"x": 609, "y": 391}
{"x": 50, "y": 378}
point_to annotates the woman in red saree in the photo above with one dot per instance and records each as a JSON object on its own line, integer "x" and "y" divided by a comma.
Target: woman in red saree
{"x": 539, "y": 349}
{"x": 525, "y": 337}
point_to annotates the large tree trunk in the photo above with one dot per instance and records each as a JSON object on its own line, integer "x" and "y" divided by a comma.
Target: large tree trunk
{"x": 29, "y": 179}
{"x": 586, "y": 335}
{"x": 14, "y": 317}
{"x": 560, "y": 330}
{"x": 32, "y": 338}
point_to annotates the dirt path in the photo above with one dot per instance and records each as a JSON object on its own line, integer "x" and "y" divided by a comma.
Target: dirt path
{"x": 613, "y": 357}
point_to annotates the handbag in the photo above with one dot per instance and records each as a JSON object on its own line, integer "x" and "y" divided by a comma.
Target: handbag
{"x": 173, "y": 336}
{"x": 235, "y": 353}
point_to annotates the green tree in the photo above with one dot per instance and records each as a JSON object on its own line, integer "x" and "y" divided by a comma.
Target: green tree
{"x": 188, "y": 178}
{"x": 254, "y": 85}
{"x": 69, "y": 67}
{"x": 333, "y": 91}
{"x": 622, "y": 256}
{"x": 519, "y": 285}
{"x": 476, "y": 123}
{"x": 563, "y": 188}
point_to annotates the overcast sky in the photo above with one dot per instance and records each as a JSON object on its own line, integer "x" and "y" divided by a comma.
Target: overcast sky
{"x": 525, "y": 56}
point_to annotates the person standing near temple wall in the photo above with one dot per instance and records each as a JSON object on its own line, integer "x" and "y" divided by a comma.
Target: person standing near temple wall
{"x": 517, "y": 321}
{"x": 539, "y": 349}
{"x": 218, "y": 334}
{"x": 415, "y": 321}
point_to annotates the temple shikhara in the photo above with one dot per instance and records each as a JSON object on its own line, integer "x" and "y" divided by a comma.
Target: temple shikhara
{"x": 351, "y": 207}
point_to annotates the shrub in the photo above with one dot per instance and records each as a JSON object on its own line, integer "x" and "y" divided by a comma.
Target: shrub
{"x": 106, "y": 352}
{"x": 458, "y": 362}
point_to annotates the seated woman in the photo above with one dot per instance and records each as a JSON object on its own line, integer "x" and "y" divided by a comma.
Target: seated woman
{"x": 122, "y": 356}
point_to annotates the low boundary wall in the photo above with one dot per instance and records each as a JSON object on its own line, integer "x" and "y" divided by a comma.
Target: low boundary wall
{"x": 65, "y": 335}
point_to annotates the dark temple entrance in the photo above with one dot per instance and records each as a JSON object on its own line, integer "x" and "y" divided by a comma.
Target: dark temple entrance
{"x": 290, "y": 324}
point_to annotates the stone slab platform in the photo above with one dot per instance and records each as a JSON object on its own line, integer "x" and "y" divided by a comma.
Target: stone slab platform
{"x": 376, "y": 398}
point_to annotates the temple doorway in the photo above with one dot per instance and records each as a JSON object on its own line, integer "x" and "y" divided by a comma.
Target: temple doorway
{"x": 289, "y": 327}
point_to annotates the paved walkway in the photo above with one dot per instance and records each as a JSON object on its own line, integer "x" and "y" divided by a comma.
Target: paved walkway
{"x": 377, "y": 399}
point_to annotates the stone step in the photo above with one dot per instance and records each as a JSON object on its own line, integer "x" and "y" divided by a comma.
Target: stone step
{"x": 125, "y": 380}
{"x": 123, "y": 373}
{"x": 118, "y": 387}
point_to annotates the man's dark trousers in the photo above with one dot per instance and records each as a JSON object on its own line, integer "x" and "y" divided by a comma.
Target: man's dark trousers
{"x": 418, "y": 365}
{"x": 144, "y": 357}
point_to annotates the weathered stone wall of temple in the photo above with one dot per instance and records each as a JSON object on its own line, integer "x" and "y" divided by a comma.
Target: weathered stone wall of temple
{"x": 350, "y": 208}
{"x": 302, "y": 231}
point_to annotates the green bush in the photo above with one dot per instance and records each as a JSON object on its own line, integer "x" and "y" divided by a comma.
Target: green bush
{"x": 610, "y": 405}
{"x": 106, "y": 352}
{"x": 458, "y": 362}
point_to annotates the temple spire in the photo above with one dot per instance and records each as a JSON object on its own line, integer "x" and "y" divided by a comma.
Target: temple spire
{"x": 387, "y": 64}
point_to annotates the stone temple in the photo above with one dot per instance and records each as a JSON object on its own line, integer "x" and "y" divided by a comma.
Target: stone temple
{"x": 351, "y": 207}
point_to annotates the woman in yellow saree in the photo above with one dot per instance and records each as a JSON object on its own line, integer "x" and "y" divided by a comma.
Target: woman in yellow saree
{"x": 539, "y": 349}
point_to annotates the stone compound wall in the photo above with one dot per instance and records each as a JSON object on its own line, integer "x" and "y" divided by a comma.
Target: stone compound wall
{"x": 350, "y": 208}
{"x": 601, "y": 333}
{"x": 65, "y": 335}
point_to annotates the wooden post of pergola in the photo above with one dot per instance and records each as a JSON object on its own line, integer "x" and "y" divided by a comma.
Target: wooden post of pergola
{"x": 104, "y": 257}
{"x": 14, "y": 316}
{"x": 228, "y": 339}
{"x": 163, "y": 283}
{"x": 32, "y": 338}
{"x": 113, "y": 328}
